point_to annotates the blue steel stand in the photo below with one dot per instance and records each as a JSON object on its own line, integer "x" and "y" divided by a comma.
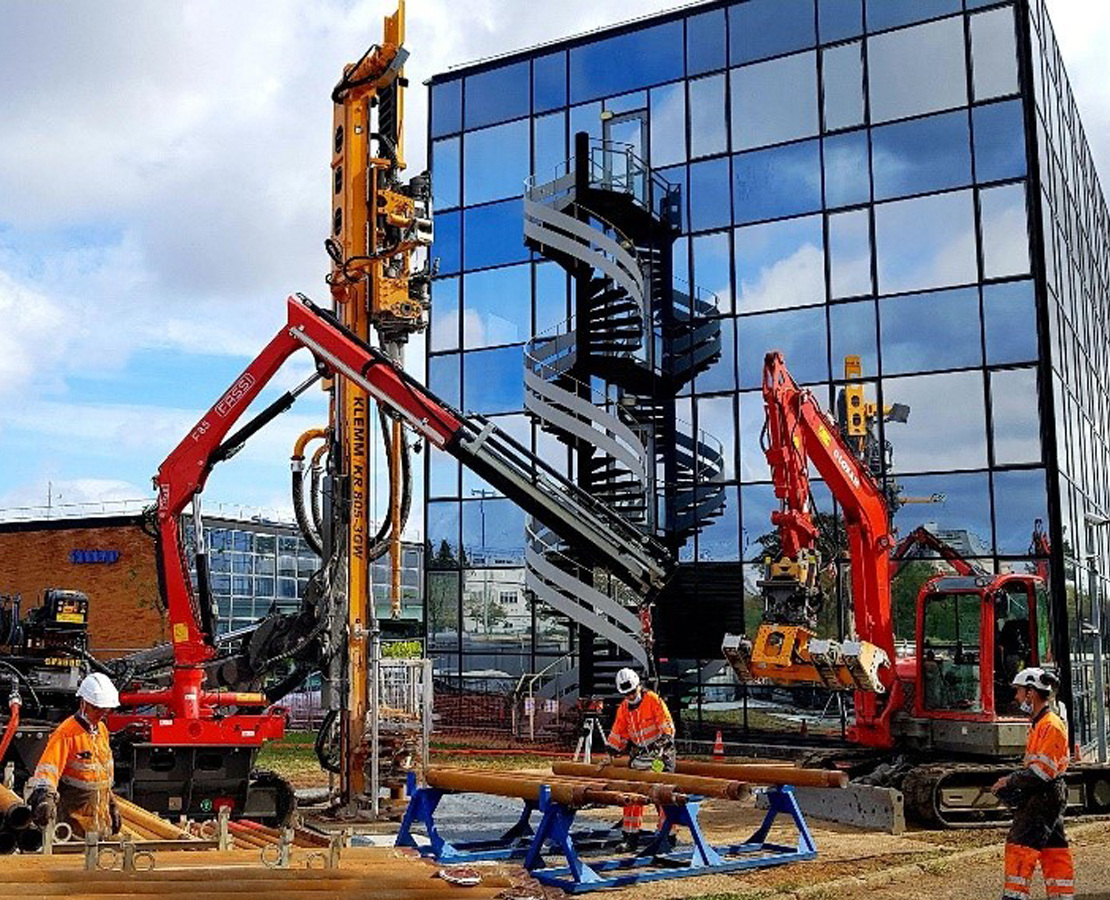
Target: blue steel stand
{"x": 555, "y": 836}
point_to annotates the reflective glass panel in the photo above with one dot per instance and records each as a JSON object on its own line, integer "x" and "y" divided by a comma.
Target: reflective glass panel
{"x": 757, "y": 502}
{"x": 443, "y": 377}
{"x": 999, "y": 140}
{"x": 939, "y": 435}
{"x": 497, "y": 95}
{"x": 993, "y": 54}
{"x": 1005, "y": 231}
{"x": 922, "y": 332}
{"x": 847, "y": 170}
{"x": 721, "y": 376}
{"x": 551, "y": 296}
{"x": 497, "y": 162}
{"x": 917, "y": 70}
{"x": 842, "y": 75}
{"x": 717, "y": 416}
{"x": 928, "y": 154}
{"x": 959, "y": 513}
{"x": 443, "y": 474}
{"x": 762, "y": 28}
{"x": 493, "y": 531}
{"x": 708, "y": 128}
{"x": 647, "y": 56}
{"x": 446, "y": 111}
{"x": 446, "y": 247}
{"x": 774, "y": 101}
{"x": 493, "y": 234}
{"x": 719, "y": 540}
{"x": 711, "y": 267}
{"x": 882, "y": 14}
{"x": 443, "y": 534}
{"x": 753, "y": 461}
{"x": 709, "y": 195}
{"x": 549, "y": 146}
{"x": 493, "y": 380}
{"x": 852, "y": 332}
{"x": 850, "y": 253}
{"x": 839, "y": 19}
{"x": 497, "y": 306}
{"x": 799, "y": 333}
{"x": 445, "y": 314}
{"x": 587, "y": 118}
{"x": 668, "y": 125}
{"x": 951, "y": 663}
{"x": 445, "y": 173}
{"x": 1019, "y": 500}
{"x": 549, "y": 81}
{"x": 1010, "y": 321}
{"x": 926, "y": 242}
{"x": 1014, "y": 416}
{"x": 779, "y": 264}
{"x": 705, "y": 42}
{"x": 781, "y": 181}
{"x": 637, "y": 101}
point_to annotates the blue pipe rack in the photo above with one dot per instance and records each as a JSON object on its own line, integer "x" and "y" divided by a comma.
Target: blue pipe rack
{"x": 583, "y": 865}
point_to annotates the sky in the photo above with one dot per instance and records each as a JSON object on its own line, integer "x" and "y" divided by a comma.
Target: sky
{"x": 164, "y": 185}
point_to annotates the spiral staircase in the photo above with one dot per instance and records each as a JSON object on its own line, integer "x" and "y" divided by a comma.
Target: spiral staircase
{"x": 604, "y": 383}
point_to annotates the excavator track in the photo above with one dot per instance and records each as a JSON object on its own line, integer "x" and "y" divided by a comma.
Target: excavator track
{"x": 957, "y": 795}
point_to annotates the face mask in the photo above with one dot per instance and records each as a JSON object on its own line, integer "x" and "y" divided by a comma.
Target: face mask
{"x": 1027, "y": 707}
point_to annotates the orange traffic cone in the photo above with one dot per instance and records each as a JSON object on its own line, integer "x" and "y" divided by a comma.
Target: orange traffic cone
{"x": 719, "y": 746}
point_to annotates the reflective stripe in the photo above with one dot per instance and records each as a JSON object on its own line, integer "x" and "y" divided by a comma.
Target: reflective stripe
{"x": 1062, "y": 882}
{"x": 1015, "y": 895}
{"x": 86, "y": 785}
{"x": 45, "y": 767}
{"x": 1038, "y": 769}
{"x": 1017, "y": 879}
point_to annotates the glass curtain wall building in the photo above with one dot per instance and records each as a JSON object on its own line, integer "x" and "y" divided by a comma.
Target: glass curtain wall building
{"x": 902, "y": 180}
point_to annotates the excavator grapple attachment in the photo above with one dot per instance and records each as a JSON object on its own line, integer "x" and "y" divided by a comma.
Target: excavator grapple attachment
{"x": 791, "y": 656}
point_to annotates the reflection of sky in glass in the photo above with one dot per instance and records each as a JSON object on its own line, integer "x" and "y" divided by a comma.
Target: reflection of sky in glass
{"x": 924, "y": 155}
{"x": 443, "y": 525}
{"x": 445, "y": 314}
{"x": 443, "y": 377}
{"x": 798, "y": 333}
{"x": 445, "y": 247}
{"x": 782, "y": 181}
{"x": 852, "y": 332}
{"x": 706, "y": 39}
{"x": 947, "y": 424}
{"x": 882, "y": 14}
{"x": 842, "y": 77}
{"x": 847, "y": 172}
{"x": 446, "y": 112}
{"x": 917, "y": 70}
{"x": 762, "y": 28}
{"x": 719, "y": 539}
{"x": 549, "y": 81}
{"x": 709, "y": 195}
{"x": 519, "y": 427}
{"x": 493, "y": 234}
{"x": 711, "y": 267}
{"x": 993, "y": 54}
{"x": 493, "y": 526}
{"x": 550, "y": 146}
{"x": 1019, "y": 500}
{"x": 443, "y": 474}
{"x": 850, "y": 253}
{"x": 587, "y": 118}
{"x": 497, "y": 162}
{"x": 648, "y": 56}
{"x": 721, "y": 376}
{"x": 497, "y": 306}
{"x": 1005, "y": 231}
{"x": 716, "y": 417}
{"x": 922, "y": 332}
{"x": 497, "y": 95}
{"x": 780, "y": 264}
{"x": 757, "y": 502}
{"x": 753, "y": 462}
{"x": 839, "y": 19}
{"x": 966, "y": 506}
{"x": 493, "y": 380}
{"x": 1014, "y": 416}
{"x": 551, "y": 296}
{"x": 708, "y": 130}
{"x": 1010, "y": 321}
{"x": 999, "y": 140}
{"x": 926, "y": 242}
{"x": 445, "y": 165}
{"x": 668, "y": 125}
{"x": 774, "y": 101}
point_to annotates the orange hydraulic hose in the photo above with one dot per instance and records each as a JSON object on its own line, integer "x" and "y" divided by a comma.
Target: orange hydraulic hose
{"x": 13, "y": 724}
{"x": 312, "y": 434}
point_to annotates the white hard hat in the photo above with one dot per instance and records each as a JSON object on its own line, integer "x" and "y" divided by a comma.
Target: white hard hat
{"x": 627, "y": 681}
{"x": 98, "y": 690}
{"x": 1035, "y": 677}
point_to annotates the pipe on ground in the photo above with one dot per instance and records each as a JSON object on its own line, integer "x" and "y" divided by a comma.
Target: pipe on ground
{"x": 29, "y": 840}
{"x": 148, "y": 821}
{"x": 758, "y": 774}
{"x": 663, "y": 794}
{"x": 568, "y": 794}
{"x": 8, "y": 842}
{"x": 17, "y": 814}
{"x": 690, "y": 784}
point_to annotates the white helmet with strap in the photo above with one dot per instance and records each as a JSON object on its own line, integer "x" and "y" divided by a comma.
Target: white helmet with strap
{"x": 1035, "y": 677}
{"x": 627, "y": 681}
{"x": 98, "y": 690}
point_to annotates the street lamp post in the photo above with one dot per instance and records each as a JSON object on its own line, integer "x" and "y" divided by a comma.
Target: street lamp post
{"x": 1094, "y": 521}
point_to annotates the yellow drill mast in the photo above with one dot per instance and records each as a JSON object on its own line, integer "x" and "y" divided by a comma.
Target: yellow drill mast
{"x": 377, "y": 224}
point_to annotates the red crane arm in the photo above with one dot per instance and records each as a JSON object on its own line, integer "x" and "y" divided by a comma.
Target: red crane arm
{"x": 799, "y": 432}
{"x": 923, "y": 537}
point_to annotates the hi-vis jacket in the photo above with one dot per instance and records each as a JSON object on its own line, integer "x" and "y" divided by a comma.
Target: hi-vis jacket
{"x": 77, "y": 765}
{"x": 643, "y": 725}
{"x": 1046, "y": 749}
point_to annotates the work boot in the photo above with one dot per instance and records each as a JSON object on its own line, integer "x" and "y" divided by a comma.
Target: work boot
{"x": 630, "y": 841}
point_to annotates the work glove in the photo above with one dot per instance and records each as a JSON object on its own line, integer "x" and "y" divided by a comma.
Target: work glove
{"x": 44, "y": 806}
{"x": 114, "y": 816}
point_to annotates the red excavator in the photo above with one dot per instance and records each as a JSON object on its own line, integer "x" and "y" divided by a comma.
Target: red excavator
{"x": 939, "y": 720}
{"x": 188, "y": 745}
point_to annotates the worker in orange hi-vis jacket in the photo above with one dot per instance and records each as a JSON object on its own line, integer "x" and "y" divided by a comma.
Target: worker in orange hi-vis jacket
{"x": 1038, "y": 796}
{"x": 645, "y": 728}
{"x": 73, "y": 779}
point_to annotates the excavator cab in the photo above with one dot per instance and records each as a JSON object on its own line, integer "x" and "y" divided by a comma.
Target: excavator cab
{"x": 974, "y": 633}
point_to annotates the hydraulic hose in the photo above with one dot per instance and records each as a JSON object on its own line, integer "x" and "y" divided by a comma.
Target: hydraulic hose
{"x": 310, "y": 533}
{"x": 14, "y": 703}
{"x": 317, "y": 471}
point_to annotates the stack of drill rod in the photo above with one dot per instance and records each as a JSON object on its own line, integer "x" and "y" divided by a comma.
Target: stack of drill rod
{"x": 361, "y": 874}
{"x": 17, "y": 831}
{"x": 141, "y": 825}
{"x": 247, "y": 833}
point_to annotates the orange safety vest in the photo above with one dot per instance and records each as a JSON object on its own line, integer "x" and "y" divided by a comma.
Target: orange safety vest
{"x": 642, "y": 725}
{"x": 77, "y": 765}
{"x": 1046, "y": 750}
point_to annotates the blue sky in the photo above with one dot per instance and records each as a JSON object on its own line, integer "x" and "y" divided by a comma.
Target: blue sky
{"x": 164, "y": 186}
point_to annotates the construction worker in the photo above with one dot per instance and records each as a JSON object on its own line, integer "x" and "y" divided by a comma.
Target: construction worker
{"x": 1038, "y": 796}
{"x": 645, "y": 729}
{"x": 73, "y": 779}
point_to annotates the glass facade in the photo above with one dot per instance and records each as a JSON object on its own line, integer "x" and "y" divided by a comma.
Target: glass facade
{"x": 856, "y": 179}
